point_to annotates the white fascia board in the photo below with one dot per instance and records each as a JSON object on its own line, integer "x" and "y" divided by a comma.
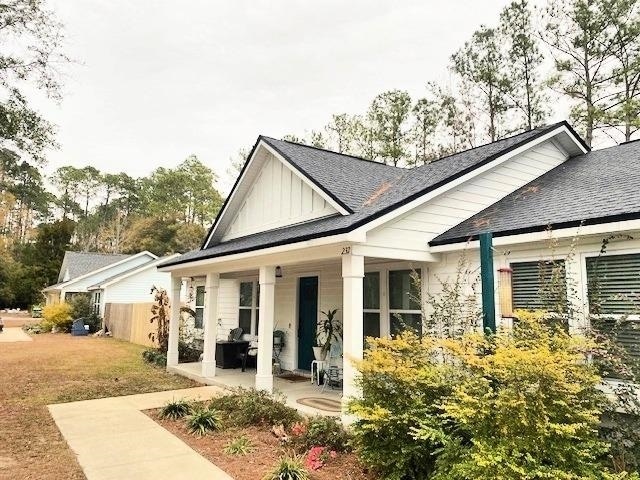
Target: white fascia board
{"x": 533, "y": 237}
{"x": 394, "y": 253}
{"x": 465, "y": 178}
{"x": 232, "y": 196}
{"x": 111, "y": 265}
{"x": 345, "y": 238}
{"x": 140, "y": 268}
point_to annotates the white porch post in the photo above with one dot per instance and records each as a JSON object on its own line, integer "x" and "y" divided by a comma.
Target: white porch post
{"x": 174, "y": 322}
{"x": 264, "y": 373}
{"x": 211, "y": 288}
{"x": 352, "y": 321}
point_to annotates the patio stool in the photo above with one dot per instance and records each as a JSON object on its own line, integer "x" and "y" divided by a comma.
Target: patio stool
{"x": 316, "y": 368}
{"x": 332, "y": 377}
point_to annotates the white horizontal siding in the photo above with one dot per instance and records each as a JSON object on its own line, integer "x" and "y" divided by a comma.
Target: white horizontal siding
{"x": 416, "y": 228}
{"x": 137, "y": 288}
{"x": 277, "y": 197}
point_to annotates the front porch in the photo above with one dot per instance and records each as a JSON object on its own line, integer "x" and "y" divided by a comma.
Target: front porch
{"x": 292, "y": 391}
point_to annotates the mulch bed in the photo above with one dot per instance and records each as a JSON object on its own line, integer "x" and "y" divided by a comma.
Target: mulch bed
{"x": 266, "y": 452}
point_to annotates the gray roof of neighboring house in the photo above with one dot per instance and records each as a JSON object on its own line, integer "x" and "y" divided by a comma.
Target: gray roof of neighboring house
{"x": 368, "y": 189}
{"x": 599, "y": 186}
{"x": 142, "y": 266}
{"x": 81, "y": 263}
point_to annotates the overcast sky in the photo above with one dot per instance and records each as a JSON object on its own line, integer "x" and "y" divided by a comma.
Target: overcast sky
{"x": 160, "y": 80}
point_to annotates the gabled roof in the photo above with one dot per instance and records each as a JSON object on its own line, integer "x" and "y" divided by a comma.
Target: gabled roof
{"x": 81, "y": 263}
{"x": 369, "y": 189}
{"x": 597, "y": 187}
{"x": 132, "y": 271}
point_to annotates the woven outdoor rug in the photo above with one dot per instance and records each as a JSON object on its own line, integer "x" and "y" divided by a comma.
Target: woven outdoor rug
{"x": 326, "y": 404}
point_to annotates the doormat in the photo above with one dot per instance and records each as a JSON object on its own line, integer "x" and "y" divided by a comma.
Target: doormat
{"x": 294, "y": 377}
{"x": 321, "y": 403}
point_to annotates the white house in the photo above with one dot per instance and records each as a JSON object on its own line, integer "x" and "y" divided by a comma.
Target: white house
{"x": 108, "y": 278}
{"x": 306, "y": 230}
{"x": 130, "y": 286}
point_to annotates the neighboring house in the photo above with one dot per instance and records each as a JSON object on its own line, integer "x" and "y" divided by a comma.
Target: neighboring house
{"x": 306, "y": 230}
{"x": 130, "y": 286}
{"x": 82, "y": 270}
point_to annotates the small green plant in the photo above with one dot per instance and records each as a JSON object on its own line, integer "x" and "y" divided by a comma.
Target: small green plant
{"x": 288, "y": 468}
{"x": 245, "y": 407}
{"x": 328, "y": 330}
{"x": 155, "y": 357}
{"x": 321, "y": 430}
{"x": 239, "y": 446}
{"x": 203, "y": 420}
{"x": 176, "y": 409}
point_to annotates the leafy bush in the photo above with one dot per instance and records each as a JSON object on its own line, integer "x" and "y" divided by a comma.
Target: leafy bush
{"x": 155, "y": 357}
{"x": 519, "y": 404}
{"x": 176, "y": 409}
{"x": 239, "y": 446}
{"x": 288, "y": 468}
{"x": 245, "y": 407}
{"x": 203, "y": 420}
{"x": 94, "y": 322}
{"x": 187, "y": 353}
{"x": 80, "y": 305}
{"x": 57, "y": 315}
{"x": 321, "y": 431}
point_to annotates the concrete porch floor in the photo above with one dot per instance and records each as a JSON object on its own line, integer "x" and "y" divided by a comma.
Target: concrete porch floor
{"x": 293, "y": 391}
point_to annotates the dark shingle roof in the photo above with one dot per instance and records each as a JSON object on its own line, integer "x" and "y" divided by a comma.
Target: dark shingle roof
{"x": 592, "y": 188}
{"x": 81, "y": 263}
{"x": 368, "y": 189}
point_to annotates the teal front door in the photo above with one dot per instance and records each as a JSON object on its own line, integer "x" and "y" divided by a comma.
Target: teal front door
{"x": 307, "y": 320}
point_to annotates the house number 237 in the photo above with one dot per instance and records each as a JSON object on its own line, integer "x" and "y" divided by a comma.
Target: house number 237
{"x": 346, "y": 250}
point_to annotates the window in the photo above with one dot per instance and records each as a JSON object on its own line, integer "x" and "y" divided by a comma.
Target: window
{"x": 96, "y": 302}
{"x": 199, "y": 307}
{"x": 539, "y": 285}
{"x": 613, "y": 284}
{"x": 371, "y": 302}
{"x": 404, "y": 305}
{"x": 249, "y": 309}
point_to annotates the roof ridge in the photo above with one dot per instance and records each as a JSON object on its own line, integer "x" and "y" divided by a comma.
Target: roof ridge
{"x": 355, "y": 157}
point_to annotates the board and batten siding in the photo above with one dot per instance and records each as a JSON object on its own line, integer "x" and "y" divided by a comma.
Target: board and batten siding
{"x": 277, "y": 197}
{"x": 417, "y": 227}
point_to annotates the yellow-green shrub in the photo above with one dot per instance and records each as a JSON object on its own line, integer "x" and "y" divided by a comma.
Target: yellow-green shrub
{"x": 57, "y": 315}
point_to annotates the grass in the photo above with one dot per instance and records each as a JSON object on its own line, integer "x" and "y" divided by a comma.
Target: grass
{"x": 61, "y": 368}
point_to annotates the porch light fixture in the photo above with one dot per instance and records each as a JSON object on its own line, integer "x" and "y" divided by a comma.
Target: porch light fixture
{"x": 505, "y": 292}
{"x": 278, "y": 271}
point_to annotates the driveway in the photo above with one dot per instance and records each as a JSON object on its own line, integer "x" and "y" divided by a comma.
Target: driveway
{"x": 14, "y": 334}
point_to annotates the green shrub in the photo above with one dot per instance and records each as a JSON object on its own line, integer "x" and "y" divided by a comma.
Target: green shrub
{"x": 80, "y": 305}
{"x": 176, "y": 409}
{"x": 57, "y": 315}
{"x": 203, "y": 420}
{"x": 322, "y": 431}
{"x": 288, "y": 468}
{"x": 155, "y": 357}
{"x": 239, "y": 446}
{"x": 244, "y": 407}
{"x": 187, "y": 353}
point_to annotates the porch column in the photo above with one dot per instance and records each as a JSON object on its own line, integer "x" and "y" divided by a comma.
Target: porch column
{"x": 264, "y": 373}
{"x": 352, "y": 322}
{"x": 174, "y": 321}
{"x": 211, "y": 288}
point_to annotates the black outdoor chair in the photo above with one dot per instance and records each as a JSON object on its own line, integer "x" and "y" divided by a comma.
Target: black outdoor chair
{"x": 250, "y": 352}
{"x": 235, "y": 334}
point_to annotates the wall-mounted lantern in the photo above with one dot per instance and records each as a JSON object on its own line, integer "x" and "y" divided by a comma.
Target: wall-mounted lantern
{"x": 278, "y": 271}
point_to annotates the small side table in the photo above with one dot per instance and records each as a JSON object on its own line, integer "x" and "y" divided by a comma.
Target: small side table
{"x": 315, "y": 372}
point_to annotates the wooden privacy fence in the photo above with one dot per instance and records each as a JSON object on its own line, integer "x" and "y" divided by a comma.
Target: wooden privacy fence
{"x": 130, "y": 322}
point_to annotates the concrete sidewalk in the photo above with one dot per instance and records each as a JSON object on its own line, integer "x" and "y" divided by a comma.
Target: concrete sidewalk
{"x": 14, "y": 334}
{"x": 113, "y": 439}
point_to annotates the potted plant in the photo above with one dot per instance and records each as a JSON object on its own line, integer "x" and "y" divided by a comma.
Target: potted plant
{"x": 328, "y": 330}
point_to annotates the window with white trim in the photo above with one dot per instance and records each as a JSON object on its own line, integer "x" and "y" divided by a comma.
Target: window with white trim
{"x": 249, "y": 308}
{"x": 199, "y": 307}
{"x": 371, "y": 303}
{"x": 404, "y": 306}
{"x": 613, "y": 284}
{"x": 97, "y": 296}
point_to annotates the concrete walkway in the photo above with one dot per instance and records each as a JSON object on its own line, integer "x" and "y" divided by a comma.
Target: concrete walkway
{"x": 113, "y": 439}
{"x": 14, "y": 334}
